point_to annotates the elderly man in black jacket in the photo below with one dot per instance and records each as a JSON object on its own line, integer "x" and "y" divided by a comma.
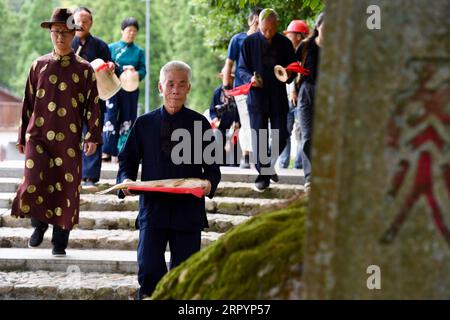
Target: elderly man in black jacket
{"x": 267, "y": 99}
{"x": 163, "y": 217}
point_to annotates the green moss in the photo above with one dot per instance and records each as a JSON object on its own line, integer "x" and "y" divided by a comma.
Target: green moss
{"x": 259, "y": 259}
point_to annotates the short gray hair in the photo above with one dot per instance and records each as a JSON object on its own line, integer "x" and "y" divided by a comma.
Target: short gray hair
{"x": 175, "y": 65}
{"x": 268, "y": 14}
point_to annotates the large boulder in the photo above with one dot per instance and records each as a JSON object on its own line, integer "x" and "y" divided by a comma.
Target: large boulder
{"x": 259, "y": 259}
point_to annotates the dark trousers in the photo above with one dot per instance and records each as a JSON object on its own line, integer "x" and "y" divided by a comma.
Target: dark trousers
{"x": 285, "y": 156}
{"x": 92, "y": 164}
{"x": 306, "y": 115}
{"x": 60, "y": 237}
{"x": 151, "y": 248}
{"x": 258, "y": 121}
{"x": 121, "y": 112}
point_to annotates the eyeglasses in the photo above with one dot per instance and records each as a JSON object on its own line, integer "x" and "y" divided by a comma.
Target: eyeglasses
{"x": 63, "y": 34}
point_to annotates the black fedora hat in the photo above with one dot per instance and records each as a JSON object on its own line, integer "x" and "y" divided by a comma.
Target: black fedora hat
{"x": 61, "y": 15}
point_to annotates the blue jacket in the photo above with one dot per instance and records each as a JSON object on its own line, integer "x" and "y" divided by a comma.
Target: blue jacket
{"x": 149, "y": 144}
{"x": 92, "y": 49}
{"x": 260, "y": 56}
{"x": 124, "y": 54}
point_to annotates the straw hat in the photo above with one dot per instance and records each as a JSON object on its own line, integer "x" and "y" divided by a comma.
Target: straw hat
{"x": 130, "y": 80}
{"x": 107, "y": 82}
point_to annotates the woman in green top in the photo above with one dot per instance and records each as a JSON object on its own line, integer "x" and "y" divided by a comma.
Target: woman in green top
{"x": 121, "y": 109}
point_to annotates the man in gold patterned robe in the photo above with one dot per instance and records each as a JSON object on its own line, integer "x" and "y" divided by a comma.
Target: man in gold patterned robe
{"x": 60, "y": 95}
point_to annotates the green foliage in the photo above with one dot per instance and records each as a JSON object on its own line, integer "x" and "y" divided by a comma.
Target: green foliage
{"x": 226, "y": 18}
{"x": 259, "y": 259}
{"x": 195, "y": 31}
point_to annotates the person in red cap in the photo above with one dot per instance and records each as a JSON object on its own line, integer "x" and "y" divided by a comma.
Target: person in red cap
{"x": 296, "y": 31}
{"x": 60, "y": 95}
{"x": 309, "y": 54}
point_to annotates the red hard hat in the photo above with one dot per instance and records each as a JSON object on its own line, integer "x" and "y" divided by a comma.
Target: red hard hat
{"x": 298, "y": 26}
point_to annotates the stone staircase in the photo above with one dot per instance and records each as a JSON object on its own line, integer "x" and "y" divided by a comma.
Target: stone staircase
{"x": 101, "y": 257}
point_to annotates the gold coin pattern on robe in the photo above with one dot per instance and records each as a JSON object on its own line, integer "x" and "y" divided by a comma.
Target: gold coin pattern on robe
{"x": 68, "y": 203}
{"x": 51, "y": 135}
{"x": 39, "y": 149}
{"x": 31, "y": 188}
{"x": 40, "y": 93}
{"x": 74, "y": 103}
{"x": 25, "y": 208}
{"x": 60, "y": 136}
{"x": 51, "y": 163}
{"x": 88, "y": 94}
{"x": 87, "y": 136}
{"x": 75, "y": 78}
{"x": 58, "y": 161}
{"x": 96, "y": 99}
{"x": 53, "y": 79}
{"x": 62, "y": 86}
{"x": 81, "y": 97}
{"x": 62, "y": 112}
{"x": 58, "y": 186}
{"x": 97, "y": 122}
{"x": 68, "y": 177}
{"x": 31, "y": 89}
{"x": 51, "y": 106}
{"x": 41, "y": 175}
{"x": 30, "y": 164}
{"x": 86, "y": 73}
{"x": 65, "y": 63}
{"x": 39, "y": 200}
{"x": 50, "y": 189}
{"x": 49, "y": 214}
{"x": 71, "y": 153}
{"x": 29, "y": 114}
{"x": 88, "y": 115}
{"x": 39, "y": 122}
{"x": 73, "y": 127}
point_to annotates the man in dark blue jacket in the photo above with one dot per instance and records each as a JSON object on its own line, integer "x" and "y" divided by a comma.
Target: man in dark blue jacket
{"x": 90, "y": 48}
{"x": 168, "y": 218}
{"x": 267, "y": 99}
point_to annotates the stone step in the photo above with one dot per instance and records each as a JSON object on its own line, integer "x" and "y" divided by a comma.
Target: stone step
{"x": 6, "y": 199}
{"x": 86, "y": 239}
{"x": 110, "y": 202}
{"x": 14, "y": 169}
{"x": 113, "y": 220}
{"x": 72, "y": 285}
{"x": 225, "y": 189}
{"x": 225, "y": 205}
{"x": 107, "y": 261}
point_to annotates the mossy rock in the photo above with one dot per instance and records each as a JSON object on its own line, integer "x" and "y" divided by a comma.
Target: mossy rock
{"x": 259, "y": 259}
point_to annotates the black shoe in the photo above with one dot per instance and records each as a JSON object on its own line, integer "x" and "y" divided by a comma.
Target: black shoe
{"x": 37, "y": 237}
{"x": 59, "y": 252}
{"x": 274, "y": 178}
{"x": 262, "y": 185}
